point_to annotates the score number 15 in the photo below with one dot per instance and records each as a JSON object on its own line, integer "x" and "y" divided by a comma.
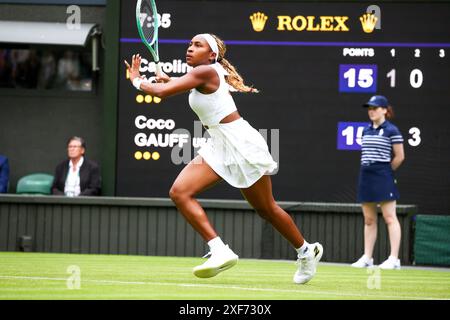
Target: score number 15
{"x": 349, "y": 135}
{"x": 358, "y": 77}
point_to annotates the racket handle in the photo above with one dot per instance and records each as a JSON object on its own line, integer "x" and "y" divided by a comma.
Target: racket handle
{"x": 158, "y": 69}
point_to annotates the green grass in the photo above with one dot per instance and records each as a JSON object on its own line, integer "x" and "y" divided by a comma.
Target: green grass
{"x": 45, "y": 276}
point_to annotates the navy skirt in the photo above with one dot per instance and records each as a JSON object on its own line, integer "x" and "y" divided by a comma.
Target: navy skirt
{"x": 377, "y": 183}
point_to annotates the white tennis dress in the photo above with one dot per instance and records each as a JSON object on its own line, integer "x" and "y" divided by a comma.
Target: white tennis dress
{"x": 236, "y": 151}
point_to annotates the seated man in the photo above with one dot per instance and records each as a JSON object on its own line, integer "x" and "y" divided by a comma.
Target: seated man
{"x": 4, "y": 174}
{"x": 77, "y": 176}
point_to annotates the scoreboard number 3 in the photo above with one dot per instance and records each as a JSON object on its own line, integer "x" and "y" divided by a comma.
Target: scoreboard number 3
{"x": 415, "y": 139}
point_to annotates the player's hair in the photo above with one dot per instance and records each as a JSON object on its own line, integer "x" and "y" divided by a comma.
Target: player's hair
{"x": 390, "y": 113}
{"x": 234, "y": 79}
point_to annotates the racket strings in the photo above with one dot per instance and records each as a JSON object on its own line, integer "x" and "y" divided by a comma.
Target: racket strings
{"x": 149, "y": 22}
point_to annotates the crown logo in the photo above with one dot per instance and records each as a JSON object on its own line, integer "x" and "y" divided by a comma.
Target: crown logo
{"x": 368, "y": 22}
{"x": 258, "y": 21}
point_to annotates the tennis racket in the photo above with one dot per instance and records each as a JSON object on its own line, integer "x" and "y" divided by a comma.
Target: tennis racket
{"x": 147, "y": 24}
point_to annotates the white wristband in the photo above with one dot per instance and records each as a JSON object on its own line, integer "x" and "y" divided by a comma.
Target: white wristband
{"x": 137, "y": 83}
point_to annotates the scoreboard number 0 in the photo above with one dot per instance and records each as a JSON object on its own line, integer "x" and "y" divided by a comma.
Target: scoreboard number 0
{"x": 416, "y": 78}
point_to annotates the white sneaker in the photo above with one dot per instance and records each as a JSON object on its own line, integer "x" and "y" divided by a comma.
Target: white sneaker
{"x": 220, "y": 260}
{"x": 391, "y": 263}
{"x": 307, "y": 263}
{"x": 363, "y": 262}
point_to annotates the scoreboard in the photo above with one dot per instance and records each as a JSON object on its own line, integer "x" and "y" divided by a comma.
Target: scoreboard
{"x": 315, "y": 65}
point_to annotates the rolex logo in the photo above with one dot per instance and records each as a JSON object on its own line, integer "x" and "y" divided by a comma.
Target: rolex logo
{"x": 258, "y": 21}
{"x": 368, "y": 22}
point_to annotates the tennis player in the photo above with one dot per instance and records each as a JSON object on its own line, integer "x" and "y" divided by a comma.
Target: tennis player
{"x": 382, "y": 153}
{"x": 236, "y": 153}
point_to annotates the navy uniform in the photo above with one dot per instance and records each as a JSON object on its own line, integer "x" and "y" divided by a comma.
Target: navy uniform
{"x": 376, "y": 179}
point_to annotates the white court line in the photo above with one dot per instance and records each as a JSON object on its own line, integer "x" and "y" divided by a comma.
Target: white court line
{"x": 333, "y": 293}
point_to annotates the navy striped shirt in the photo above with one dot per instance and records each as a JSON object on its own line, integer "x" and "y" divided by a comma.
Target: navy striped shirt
{"x": 377, "y": 143}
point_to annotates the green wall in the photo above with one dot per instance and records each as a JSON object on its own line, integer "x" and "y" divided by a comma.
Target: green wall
{"x": 35, "y": 124}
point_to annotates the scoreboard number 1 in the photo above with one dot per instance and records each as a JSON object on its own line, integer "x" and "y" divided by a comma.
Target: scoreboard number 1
{"x": 391, "y": 75}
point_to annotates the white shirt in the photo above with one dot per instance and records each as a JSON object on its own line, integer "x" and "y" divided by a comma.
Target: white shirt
{"x": 72, "y": 186}
{"x": 213, "y": 107}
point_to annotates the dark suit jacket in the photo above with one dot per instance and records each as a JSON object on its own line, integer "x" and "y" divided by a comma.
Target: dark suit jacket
{"x": 90, "y": 179}
{"x": 4, "y": 174}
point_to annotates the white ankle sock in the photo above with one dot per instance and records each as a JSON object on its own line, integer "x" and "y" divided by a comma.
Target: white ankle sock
{"x": 215, "y": 243}
{"x": 366, "y": 258}
{"x": 302, "y": 249}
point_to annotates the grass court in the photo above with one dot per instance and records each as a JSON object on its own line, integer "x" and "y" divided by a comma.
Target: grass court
{"x": 45, "y": 276}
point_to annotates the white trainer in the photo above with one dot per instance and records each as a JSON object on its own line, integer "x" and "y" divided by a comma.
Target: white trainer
{"x": 220, "y": 260}
{"x": 307, "y": 263}
{"x": 391, "y": 263}
{"x": 363, "y": 262}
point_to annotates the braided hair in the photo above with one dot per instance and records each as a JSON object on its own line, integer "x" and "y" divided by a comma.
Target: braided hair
{"x": 234, "y": 79}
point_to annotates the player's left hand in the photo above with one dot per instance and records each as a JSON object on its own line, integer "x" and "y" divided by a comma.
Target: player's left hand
{"x": 134, "y": 68}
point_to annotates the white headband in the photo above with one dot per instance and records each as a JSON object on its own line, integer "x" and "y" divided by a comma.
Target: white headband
{"x": 212, "y": 43}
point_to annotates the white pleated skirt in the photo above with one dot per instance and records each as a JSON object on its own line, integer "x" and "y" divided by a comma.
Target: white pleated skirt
{"x": 238, "y": 153}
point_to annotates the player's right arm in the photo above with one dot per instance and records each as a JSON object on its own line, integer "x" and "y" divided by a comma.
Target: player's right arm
{"x": 195, "y": 78}
{"x": 198, "y": 77}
